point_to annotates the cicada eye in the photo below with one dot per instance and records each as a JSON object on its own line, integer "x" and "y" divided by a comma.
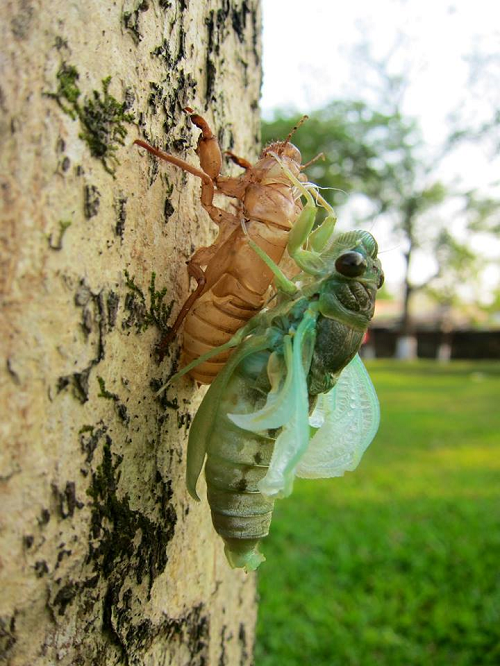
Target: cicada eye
{"x": 351, "y": 264}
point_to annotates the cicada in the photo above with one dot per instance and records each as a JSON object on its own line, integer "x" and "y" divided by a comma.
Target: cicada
{"x": 295, "y": 369}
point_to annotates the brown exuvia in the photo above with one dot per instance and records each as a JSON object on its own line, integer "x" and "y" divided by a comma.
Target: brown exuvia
{"x": 232, "y": 280}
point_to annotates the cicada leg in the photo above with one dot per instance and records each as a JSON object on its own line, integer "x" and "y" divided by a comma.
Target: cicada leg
{"x": 302, "y": 234}
{"x": 194, "y": 270}
{"x": 319, "y": 156}
{"x": 240, "y": 161}
{"x": 282, "y": 282}
{"x": 208, "y": 149}
{"x": 182, "y": 164}
{"x": 217, "y": 215}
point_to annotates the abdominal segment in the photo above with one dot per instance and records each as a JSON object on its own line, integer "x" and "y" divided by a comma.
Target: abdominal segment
{"x": 239, "y": 510}
{"x": 231, "y": 297}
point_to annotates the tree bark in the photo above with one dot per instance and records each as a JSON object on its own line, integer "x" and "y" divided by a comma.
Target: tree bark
{"x": 105, "y": 558}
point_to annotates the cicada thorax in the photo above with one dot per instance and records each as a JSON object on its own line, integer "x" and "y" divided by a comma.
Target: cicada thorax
{"x": 336, "y": 345}
{"x": 237, "y": 281}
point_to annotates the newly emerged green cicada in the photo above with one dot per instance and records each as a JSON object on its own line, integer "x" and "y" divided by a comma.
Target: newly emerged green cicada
{"x": 294, "y": 398}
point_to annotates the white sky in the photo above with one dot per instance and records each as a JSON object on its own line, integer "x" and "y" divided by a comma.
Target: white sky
{"x": 308, "y": 62}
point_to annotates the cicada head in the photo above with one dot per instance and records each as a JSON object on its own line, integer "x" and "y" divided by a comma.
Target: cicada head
{"x": 284, "y": 152}
{"x": 346, "y": 305}
{"x": 272, "y": 159}
{"x": 283, "y": 149}
{"x": 354, "y": 276}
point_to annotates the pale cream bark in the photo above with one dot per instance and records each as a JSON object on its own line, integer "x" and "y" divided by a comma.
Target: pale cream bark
{"x": 104, "y": 557}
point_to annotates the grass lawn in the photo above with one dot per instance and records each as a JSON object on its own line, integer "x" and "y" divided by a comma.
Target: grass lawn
{"x": 398, "y": 563}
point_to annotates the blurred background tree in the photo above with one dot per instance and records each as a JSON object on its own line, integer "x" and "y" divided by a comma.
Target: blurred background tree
{"x": 375, "y": 156}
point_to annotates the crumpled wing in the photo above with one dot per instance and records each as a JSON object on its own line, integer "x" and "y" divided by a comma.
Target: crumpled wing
{"x": 286, "y": 407}
{"x": 348, "y": 417}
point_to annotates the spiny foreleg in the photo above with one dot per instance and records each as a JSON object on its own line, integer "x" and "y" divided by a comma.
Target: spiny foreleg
{"x": 217, "y": 215}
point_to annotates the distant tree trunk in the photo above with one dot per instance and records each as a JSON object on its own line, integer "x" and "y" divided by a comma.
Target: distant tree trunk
{"x": 105, "y": 558}
{"x": 406, "y": 323}
{"x": 406, "y": 344}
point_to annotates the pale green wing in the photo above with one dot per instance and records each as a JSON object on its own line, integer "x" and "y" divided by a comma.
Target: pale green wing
{"x": 348, "y": 417}
{"x": 203, "y": 423}
{"x": 277, "y": 409}
{"x": 286, "y": 407}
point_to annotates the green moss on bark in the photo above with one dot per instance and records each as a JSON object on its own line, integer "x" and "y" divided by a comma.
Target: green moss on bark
{"x": 102, "y": 117}
{"x": 157, "y": 313}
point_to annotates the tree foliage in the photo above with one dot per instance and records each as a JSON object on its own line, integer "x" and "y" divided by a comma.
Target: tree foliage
{"x": 362, "y": 148}
{"x": 379, "y": 153}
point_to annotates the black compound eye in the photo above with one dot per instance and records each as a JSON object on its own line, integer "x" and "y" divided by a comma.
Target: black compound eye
{"x": 351, "y": 264}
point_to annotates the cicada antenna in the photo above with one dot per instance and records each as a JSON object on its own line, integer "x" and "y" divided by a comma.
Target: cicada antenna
{"x": 294, "y": 129}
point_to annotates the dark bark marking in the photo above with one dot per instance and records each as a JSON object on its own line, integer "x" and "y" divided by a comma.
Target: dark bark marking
{"x": 8, "y": 636}
{"x": 91, "y": 201}
{"x": 121, "y": 216}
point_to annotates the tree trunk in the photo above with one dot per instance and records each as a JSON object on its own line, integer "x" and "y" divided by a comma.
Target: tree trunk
{"x": 406, "y": 344}
{"x": 105, "y": 558}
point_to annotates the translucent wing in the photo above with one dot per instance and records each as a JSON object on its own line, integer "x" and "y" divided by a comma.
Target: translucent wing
{"x": 286, "y": 408}
{"x": 348, "y": 418}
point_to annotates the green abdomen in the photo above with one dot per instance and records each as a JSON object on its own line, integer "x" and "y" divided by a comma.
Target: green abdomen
{"x": 236, "y": 461}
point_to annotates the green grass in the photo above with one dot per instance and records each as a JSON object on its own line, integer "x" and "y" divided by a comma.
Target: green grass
{"x": 398, "y": 563}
